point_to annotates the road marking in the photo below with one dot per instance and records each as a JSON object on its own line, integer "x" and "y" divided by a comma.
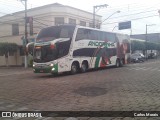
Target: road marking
{"x": 22, "y": 108}
{"x": 154, "y": 69}
{"x": 148, "y": 68}
{"x": 144, "y": 68}
{"x": 9, "y": 106}
{"x": 144, "y": 63}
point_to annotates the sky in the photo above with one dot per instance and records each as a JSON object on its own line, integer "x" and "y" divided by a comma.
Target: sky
{"x": 141, "y": 13}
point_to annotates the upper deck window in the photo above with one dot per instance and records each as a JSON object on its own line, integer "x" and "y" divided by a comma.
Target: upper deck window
{"x": 55, "y": 32}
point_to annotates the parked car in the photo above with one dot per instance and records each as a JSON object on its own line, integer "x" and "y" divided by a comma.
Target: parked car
{"x": 152, "y": 55}
{"x": 137, "y": 57}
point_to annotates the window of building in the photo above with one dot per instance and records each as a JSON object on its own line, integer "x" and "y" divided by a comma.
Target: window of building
{"x": 82, "y": 23}
{"x": 11, "y": 53}
{"x": 98, "y": 26}
{"x": 90, "y": 24}
{"x": 21, "y": 51}
{"x": 72, "y": 21}
{"x": 1, "y": 54}
{"x": 59, "y": 20}
{"x": 15, "y": 29}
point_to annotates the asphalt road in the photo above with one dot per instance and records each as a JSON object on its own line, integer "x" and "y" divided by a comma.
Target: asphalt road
{"x": 134, "y": 87}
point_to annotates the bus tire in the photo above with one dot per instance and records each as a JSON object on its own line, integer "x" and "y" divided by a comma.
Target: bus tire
{"x": 121, "y": 63}
{"x": 74, "y": 68}
{"x": 54, "y": 74}
{"x": 117, "y": 63}
{"x": 84, "y": 67}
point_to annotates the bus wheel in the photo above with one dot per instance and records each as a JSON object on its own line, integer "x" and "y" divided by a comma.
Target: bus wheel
{"x": 121, "y": 63}
{"x": 74, "y": 68}
{"x": 117, "y": 63}
{"x": 84, "y": 67}
{"x": 54, "y": 74}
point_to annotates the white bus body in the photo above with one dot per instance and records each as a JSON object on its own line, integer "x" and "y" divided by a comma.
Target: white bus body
{"x": 75, "y": 48}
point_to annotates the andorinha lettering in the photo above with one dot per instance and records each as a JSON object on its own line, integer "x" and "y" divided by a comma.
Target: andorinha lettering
{"x": 103, "y": 44}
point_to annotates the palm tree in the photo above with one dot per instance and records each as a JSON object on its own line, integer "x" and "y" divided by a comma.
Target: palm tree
{"x": 6, "y": 48}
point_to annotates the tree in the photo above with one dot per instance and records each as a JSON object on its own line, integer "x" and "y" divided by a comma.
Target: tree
{"x": 137, "y": 45}
{"x": 6, "y": 48}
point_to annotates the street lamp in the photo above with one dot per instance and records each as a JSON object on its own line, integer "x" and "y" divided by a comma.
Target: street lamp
{"x": 111, "y": 15}
{"x": 94, "y": 8}
{"x": 114, "y": 28}
{"x": 146, "y": 38}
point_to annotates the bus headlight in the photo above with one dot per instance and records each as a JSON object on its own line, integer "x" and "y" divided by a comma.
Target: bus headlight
{"x": 51, "y": 65}
{"x": 53, "y": 69}
{"x": 33, "y": 65}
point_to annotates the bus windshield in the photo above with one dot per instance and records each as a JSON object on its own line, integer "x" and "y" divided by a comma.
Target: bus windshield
{"x": 45, "y": 54}
{"x": 55, "y": 32}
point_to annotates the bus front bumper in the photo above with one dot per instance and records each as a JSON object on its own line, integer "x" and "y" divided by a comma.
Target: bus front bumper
{"x": 42, "y": 70}
{"x": 48, "y": 69}
{"x": 53, "y": 68}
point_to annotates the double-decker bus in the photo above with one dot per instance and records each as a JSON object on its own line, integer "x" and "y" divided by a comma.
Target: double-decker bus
{"x": 76, "y": 48}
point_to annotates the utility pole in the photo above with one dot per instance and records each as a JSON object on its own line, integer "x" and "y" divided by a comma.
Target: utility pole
{"x": 94, "y": 8}
{"x": 146, "y": 43}
{"x": 26, "y": 34}
{"x": 147, "y": 38}
{"x": 94, "y": 12}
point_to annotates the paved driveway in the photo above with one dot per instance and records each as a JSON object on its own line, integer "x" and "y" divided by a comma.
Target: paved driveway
{"x": 134, "y": 87}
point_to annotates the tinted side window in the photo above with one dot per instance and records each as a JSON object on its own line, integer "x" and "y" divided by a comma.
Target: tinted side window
{"x": 89, "y": 34}
{"x": 109, "y": 37}
{"x": 83, "y": 34}
{"x": 80, "y": 34}
{"x": 63, "y": 48}
{"x": 94, "y": 35}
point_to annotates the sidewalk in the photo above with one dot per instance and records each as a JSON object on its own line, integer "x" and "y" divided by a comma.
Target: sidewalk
{"x": 5, "y": 71}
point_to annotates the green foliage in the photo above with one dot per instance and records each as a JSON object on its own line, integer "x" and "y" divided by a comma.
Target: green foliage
{"x": 139, "y": 45}
{"x": 158, "y": 46}
{"x": 30, "y": 48}
{"x": 151, "y": 46}
{"x": 31, "y": 63}
{"x": 6, "y": 48}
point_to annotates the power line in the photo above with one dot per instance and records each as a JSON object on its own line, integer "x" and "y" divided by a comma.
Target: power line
{"x": 131, "y": 19}
{"x": 133, "y": 14}
{"x": 131, "y": 6}
{"x": 40, "y": 23}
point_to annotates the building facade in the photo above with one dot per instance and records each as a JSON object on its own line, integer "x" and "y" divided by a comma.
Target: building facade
{"x": 12, "y": 25}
